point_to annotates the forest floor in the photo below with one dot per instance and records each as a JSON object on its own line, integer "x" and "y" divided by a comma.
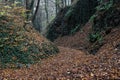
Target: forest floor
{"x": 69, "y": 64}
{"x": 74, "y": 63}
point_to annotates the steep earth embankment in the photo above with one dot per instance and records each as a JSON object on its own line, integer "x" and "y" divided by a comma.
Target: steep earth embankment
{"x": 20, "y": 45}
{"x": 70, "y": 19}
{"x": 92, "y": 36}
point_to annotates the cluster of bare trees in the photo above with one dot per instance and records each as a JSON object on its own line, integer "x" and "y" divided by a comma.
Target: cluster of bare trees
{"x": 41, "y": 12}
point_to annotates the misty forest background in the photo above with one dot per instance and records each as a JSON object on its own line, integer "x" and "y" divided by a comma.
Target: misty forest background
{"x": 42, "y": 12}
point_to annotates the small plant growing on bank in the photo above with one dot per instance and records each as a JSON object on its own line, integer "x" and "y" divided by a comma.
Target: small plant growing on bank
{"x": 105, "y": 5}
{"x": 93, "y": 17}
{"x": 93, "y": 37}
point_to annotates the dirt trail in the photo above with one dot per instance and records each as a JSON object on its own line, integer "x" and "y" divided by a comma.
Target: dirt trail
{"x": 69, "y": 64}
{"x": 78, "y": 40}
{"x": 56, "y": 66}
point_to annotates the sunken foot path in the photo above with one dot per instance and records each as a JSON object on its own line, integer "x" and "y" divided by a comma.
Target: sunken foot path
{"x": 69, "y": 64}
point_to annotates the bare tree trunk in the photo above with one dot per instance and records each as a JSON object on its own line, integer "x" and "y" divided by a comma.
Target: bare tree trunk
{"x": 28, "y": 8}
{"x": 72, "y": 1}
{"x": 62, "y": 3}
{"x": 36, "y": 10}
{"x": 65, "y": 3}
{"x": 46, "y": 10}
{"x": 56, "y": 5}
{"x": 59, "y": 4}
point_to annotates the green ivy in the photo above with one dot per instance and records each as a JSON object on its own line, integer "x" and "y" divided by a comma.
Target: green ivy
{"x": 93, "y": 37}
{"x": 93, "y": 17}
{"x": 104, "y": 6}
{"x": 75, "y": 29}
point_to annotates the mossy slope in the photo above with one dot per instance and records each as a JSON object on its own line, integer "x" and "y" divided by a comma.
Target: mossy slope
{"x": 18, "y": 46}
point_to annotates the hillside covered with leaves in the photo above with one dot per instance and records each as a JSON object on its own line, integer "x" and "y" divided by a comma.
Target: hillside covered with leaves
{"x": 19, "y": 46}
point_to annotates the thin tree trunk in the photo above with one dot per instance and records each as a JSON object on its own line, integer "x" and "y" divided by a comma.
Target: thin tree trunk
{"x": 56, "y": 5}
{"x": 62, "y": 2}
{"x": 46, "y": 10}
{"x": 28, "y": 9}
{"x": 36, "y": 10}
{"x": 65, "y": 3}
